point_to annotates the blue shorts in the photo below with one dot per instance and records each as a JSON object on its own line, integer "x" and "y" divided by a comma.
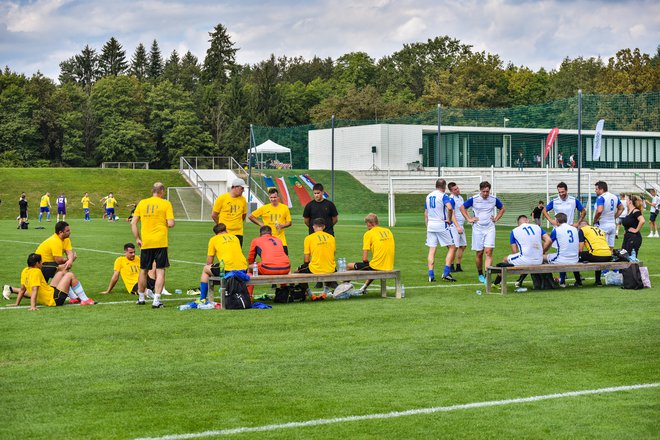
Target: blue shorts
{"x": 61, "y": 210}
{"x": 44, "y": 209}
{"x": 86, "y": 210}
{"x": 110, "y": 211}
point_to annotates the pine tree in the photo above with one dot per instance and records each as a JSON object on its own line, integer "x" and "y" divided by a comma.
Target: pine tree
{"x": 139, "y": 62}
{"x": 172, "y": 68}
{"x": 220, "y": 57}
{"x": 113, "y": 59}
{"x": 190, "y": 72}
{"x": 155, "y": 62}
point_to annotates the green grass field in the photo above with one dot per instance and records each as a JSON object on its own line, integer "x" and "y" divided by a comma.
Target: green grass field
{"x": 117, "y": 370}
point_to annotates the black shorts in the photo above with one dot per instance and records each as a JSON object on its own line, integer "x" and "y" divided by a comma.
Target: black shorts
{"x": 23, "y": 214}
{"x": 59, "y": 296}
{"x": 585, "y": 256}
{"x": 653, "y": 216}
{"x": 49, "y": 270}
{"x": 159, "y": 255}
{"x": 151, "y": 284}
{"x": 363, "y": 266}
{"x": 215, "y": 269}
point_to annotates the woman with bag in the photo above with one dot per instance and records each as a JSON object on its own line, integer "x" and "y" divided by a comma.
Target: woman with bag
{"x": 633, "y": 222}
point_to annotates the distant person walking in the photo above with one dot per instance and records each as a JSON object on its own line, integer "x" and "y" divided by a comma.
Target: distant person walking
{"x": 44, "y": 206}
{"x": 61, "y": 207}
{"x": 22, "y": 210}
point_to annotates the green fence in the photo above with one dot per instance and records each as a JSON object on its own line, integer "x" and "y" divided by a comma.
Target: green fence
{"x": 624, "y": 113}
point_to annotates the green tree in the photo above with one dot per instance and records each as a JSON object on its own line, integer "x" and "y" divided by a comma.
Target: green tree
{"x": 19, "y": 136}
{"x": 190, "y": 72}
{"x": 355, "y": 69}
{"x": 82, "y": 69}
{"x": 525, "y": 86}
{"x": 78, "y": 126}
{"x": 630, "y": 71}
{"x": 112, "y": 61}
{"x": 298, "y": 69}
{"x": 139, "y": 62}
{"x": 155, "y": 62}
{"x": 172, "y": 69}
{"x": 220, "y": 56}
{"x": 45, "y": 116}
{"x": 266, "y": 97}
{"x": 572, "y": 75}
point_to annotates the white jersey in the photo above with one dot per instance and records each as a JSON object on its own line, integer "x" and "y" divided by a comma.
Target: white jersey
{"x": 530, "y": 244}
{"x": 567, "y": 207}
{"x": 437, "y": 212}
{"x": 624, "y": 203}
{"x": 483, "y": 209}
{"x": 610, "y": 204}
{"x": 458, "y": 202}
{"x": 568, "y": 244}
{"x": 655, "y": 200}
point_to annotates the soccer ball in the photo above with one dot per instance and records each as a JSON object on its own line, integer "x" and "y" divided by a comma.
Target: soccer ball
{"x": 116, "y": 218}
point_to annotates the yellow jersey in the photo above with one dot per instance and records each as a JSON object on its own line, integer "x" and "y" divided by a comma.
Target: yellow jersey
{"x": 321, "y": 247}
{"x": 380, "y": 242}
{"x": 45, "y": 201}
{"x": 270, "y": 214}
{"x": 85, "y": 202}
{"x": 31, "y": 277}
{"x": 53, "y": 247}
{"x": 226, "y": 247}
{"x": 231, "y": 211}
{"x": 129, "y": 271}
{"x": 154, "y": 213}
{"x": 110, "y": 202}
{"x": 595, "y": 241}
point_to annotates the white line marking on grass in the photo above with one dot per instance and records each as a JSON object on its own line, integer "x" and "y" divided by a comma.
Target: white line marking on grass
{"x": 100, "y": 251}
{"x": 148, "y": 301}
{"x": 396, "y": 414}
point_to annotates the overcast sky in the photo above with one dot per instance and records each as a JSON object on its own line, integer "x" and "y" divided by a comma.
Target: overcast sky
{"x": 39, "y": 34}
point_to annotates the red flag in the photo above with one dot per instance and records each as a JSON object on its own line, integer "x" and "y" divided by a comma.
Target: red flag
{"x": 284, "y": 192}
{"x": 550, "y": 140}
{"x": 303, "y": 195}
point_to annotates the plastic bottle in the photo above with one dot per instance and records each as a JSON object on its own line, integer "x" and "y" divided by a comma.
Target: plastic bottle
{"x": 178, "y": 291}
{"x": 633, "y": 256}
{"x": 403, "y": 291}
{"x": 521, "y": 289}
{"x": 184, "y": 307}
{"x": 255, "y": 270}
{"x": 221, "y": 266}
{"x": 343, "y": 264}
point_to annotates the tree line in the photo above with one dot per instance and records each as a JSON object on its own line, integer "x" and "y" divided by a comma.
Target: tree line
{"x": 109, "y": 107}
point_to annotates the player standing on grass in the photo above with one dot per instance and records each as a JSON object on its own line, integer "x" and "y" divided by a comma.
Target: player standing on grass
{"x": 276, "y": 215}
{"x": 566, "y": 204}
{"x": 155, "y": 216}
{"x": 44, "y": 206}
{"x": 438, "y": 216}
{"x": 459, "y": 233}
{"x": 85, "y": 204}
{"x": 230, "y": 208}
{"x": 110, "y": 203}
{"x": 483, "y": 225}
{"x": 655, "y": 208}
{"x": 22, "y": 210}
{"x": 61, "y": 207}
{"x": 608, "y": 209}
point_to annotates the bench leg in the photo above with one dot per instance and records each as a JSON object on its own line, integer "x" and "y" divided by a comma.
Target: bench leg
{"x": 503, "y": 281}
{"x": 397, "y": 287}
{"x": 383, "y": 288}
{"x": 488, "y": 281}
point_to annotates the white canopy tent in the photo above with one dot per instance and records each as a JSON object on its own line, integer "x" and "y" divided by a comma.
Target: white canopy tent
{"x": 269, "y": 147}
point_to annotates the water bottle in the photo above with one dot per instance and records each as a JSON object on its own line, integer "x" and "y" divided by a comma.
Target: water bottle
{"x": 403, "y": 291}
{"x": 178, "y": 291}
{"x": 633, "y": 256}
{"x": 255, "y": 270}
{"x": 222, "y": 268}
{"x": 184, "y": 307}
{"x": 343, "y": 264}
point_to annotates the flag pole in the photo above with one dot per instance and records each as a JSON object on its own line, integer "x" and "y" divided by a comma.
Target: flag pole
{"x": 332, "y": 160}
{"x": 250, "y": 154}
{"x": 579, "y": 139}
{"x": 438, "y": 156}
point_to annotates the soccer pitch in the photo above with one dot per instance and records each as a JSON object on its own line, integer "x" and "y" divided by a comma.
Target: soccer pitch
{"x": 363, "y": 368}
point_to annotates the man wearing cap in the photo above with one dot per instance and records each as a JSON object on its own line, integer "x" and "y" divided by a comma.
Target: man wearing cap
{"x": 231, "y": 209}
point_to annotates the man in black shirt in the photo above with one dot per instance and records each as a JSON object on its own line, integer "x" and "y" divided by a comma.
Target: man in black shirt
{"x": 23, "y": 208}
{"x": 536, "y": 213}
{"x": 320, "y": 208}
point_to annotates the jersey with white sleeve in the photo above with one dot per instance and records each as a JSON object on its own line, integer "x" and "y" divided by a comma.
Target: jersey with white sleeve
{"x": 458, "y": 202}
{"x": 436, "y": 208}
{"x": 610, "y": 204}
{"x": 567, "y": 240}
{"x": 530, "y": 245}
{"x": 567, "y": 207}
{"x": 483, "y": 209}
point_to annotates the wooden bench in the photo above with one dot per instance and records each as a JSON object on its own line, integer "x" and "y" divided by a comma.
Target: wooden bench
{"x": 296, "y": 278}
{"x": 551, "y": 268}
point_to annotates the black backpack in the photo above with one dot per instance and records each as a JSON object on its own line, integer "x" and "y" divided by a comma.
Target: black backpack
{"x": 24, "y": 225}
{"x": 544, "y": 281}
{"x": 287, "y": 294}
{"x": 632, "y": 278}
{"x": 236, "y": 294}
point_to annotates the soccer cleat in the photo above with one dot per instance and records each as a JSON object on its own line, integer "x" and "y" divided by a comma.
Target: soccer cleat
{"x": 449, "y": 278}
{"x": 482, "y": 279}
{"x": 150, "y": 294}
{"x": 562, "y": 284}
{"x": 576, "y": 284}
{"x": 517, "y": 284}
{"x": 6, "y": 292}
{"x": 140, "y": 303}
{"x": 458, "y": 269}
{"x": 598, "y": 283}
{"x": 165, "y": 292}
{"x": 74, "y": 301}
{"x": 651, "y": 235}
{"x": 159, "y": 305}
{"x": 88, "y": 302}
{"x": 431, "y": 280}
{"x": 193, "y": 292}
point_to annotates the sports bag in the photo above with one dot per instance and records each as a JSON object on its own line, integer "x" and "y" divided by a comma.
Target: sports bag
{"x": 632, "y": 278}
{"x": 287, "y": 294}
{"x": 236, "y": 294}
{"x": 544, "y": 281}
{"x": 644, "y": 271}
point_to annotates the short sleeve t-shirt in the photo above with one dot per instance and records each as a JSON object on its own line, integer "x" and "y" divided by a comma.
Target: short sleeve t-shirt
{"x": 380, "y": 241}
{"x": 31, "y": 277}
{"x": 325, "y": 210}
{"x": 129, "y": 271}
{"x": 230, "y": 212}
{"x": 270, "y": 214}
{"x": 321, "y": 247}
{"x": 227, "y": 247}
{"x": 53, "y": 247}
{"x": 154, "y": 213}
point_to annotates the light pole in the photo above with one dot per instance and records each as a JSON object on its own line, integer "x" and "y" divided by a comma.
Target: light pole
{"x": 505, "y": 121}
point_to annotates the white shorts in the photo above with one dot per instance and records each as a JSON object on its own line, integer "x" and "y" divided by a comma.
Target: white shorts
{"x": 442, "y": 238}
{"x": 522, "y": 260}
{"x": 560, "y": 259}
{"x": 610, "y": 232}
{"x": 483, "y": 238}
{"x": 459, "y": 239}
